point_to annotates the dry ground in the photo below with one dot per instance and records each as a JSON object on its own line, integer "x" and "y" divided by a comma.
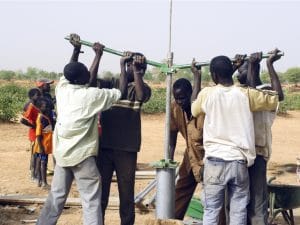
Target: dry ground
{"x": 14, "y": 174}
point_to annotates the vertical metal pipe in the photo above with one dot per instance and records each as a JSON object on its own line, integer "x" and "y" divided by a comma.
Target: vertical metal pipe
{"x": 165, "y": 198}
{"x": 168, "y": 113}
{"x": 170, "y": 27}
{"x": 165, "y": 195}
{"x": 168, "y": 92}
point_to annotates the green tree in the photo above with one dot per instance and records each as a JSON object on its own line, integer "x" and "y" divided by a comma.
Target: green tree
{"x": 12, "y": 100}
{"x": 205, "y": 74}
{"x": 53, "y": 76}
{"x": 19, "y": 74}
{"x": 184, "y": 73}
{"x": 292, "y": 75}
{"x": 157, "y": 75}
{"x": 265, "y": 77}
{"x": 148, "y": 76}
{"x": 7, "y": 74}
{"x": 157, "y": 102}
{"x": 32, "y": 73}
{"x": 160, "y": 77}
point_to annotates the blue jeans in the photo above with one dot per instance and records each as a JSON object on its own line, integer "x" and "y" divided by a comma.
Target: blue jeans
{"x": 258, "y": 205}
{"x": 219, "y": 175}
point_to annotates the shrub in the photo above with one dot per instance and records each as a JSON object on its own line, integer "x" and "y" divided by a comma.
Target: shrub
{"x": 157, "y": 102}
{"x": 291, "y": 102}
{"x": 7, "y": 75}
{"x": 12, "y": 100}
{"x": 292, "y": 75}
{"x": 148, "y": 76}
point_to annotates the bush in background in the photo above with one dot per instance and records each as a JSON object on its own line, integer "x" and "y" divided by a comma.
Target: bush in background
{"x": 30, "y": 74}
{"x": 12, "y": 100}
{"x": 291, "y": 102}
{"x": 292, "y": 75}
{"x": 157, "y": 102}
{"x": 13, "y": 97}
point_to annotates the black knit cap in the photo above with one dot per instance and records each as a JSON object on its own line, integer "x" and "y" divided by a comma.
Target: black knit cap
{"x": 73, "y": 71}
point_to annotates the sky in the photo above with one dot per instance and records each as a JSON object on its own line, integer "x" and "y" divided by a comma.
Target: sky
{"x": 32, "y": 32}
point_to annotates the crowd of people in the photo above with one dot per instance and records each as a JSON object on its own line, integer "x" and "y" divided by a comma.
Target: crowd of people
{"x": 227, "y": 129}
{"x": 39, "y": 116}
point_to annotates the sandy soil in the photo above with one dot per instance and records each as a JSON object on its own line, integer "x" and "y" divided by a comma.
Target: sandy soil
{"x": 14, "y": 166}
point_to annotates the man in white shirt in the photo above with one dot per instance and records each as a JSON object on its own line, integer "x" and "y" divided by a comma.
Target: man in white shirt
{"x": 228, "y": 140}
{"x": 249, "y": 75}
{"x": 75, "y": 140}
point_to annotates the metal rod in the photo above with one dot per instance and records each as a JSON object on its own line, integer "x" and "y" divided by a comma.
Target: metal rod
{"x": 170, "y": 27}
{"x": 168, "y": 91}
{"x": 119, "y": 53}
{"x": 167, "y": 115}
{"x": 165, "y": 194}
{"x": 187, "y": 66}
{"x": 140, "y": 196}
{"x": 164, "y": 67}
{"x": 150, "y": 201}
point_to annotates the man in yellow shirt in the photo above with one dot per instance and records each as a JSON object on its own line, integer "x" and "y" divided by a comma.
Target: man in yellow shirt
{"x": 228, "y": 139}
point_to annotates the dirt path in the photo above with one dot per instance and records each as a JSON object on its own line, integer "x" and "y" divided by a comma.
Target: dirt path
{"x": 14, "y": 174}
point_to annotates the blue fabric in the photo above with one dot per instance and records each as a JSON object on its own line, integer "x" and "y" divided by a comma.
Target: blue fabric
{"x": 258, "y": 205}
{"x": 219, "y": 175}
{"x": 43, "y": 157}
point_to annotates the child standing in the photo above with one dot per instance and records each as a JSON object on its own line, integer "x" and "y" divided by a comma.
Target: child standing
{"x": 29, "y": 118}
{"x": 43, "y": 144}
{"x": 44, "y": 85}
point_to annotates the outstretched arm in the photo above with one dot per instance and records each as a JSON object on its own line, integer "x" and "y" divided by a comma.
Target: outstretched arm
{"x": 253, "y": 79}
{"x": 124, "y": 76}
{"x": 98, "y": 48}
{"x": 238, "y": 61}
{"x": 197, "y": 80}
{"x": 275, "y": 82}
{"x": 138, "y": 73}
{"x": 75, "y": 41}
{"x": 173, "y": 140}
{"x": 27, "y": 123}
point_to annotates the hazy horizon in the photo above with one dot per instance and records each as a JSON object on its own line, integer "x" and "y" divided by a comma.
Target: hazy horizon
{"x": 33, "y": 31}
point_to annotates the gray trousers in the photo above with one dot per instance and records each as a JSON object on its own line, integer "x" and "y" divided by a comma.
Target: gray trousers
{"x": 258, "y": 205}
{"x": 219, "y": 175}
{"x": 88, "y": 183}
